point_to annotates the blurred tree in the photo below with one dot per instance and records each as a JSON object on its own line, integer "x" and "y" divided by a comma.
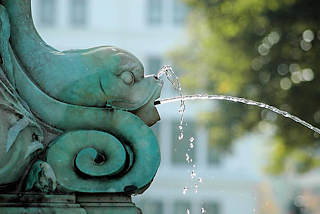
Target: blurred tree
{"x": 265, "y": 50}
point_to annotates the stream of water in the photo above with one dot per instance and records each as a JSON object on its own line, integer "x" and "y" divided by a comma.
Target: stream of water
{"x": 174, "y": 80}
{"x": 239, "y": 100}
{"x": 168, "y": 72}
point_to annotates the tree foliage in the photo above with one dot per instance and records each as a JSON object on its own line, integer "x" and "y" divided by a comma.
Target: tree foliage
{"x": 265, "y": 50}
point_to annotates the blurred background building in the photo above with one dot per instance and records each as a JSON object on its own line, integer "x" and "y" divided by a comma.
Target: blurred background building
{"x": 150, "y": 29}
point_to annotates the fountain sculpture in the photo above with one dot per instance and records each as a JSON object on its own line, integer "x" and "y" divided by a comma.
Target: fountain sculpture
{"x": 75, "y": 134}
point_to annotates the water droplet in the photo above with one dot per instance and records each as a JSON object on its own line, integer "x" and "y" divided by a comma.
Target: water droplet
{"x": 188, "y": 211}
{"x": 180, "y": 136}
{"x": 203, "y": 210}
{"x": 187, "y": 157}
{"x": 184, "y": 191}
{"x": 191, "y": 139}
{"x": 193, "y": 174}
{"x": 191, "y": 145}
{"x": 200, "y": 180}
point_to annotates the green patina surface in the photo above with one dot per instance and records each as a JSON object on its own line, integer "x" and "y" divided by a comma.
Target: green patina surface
{"x": 67, "y": 204}
{"x": 80, "y": 118}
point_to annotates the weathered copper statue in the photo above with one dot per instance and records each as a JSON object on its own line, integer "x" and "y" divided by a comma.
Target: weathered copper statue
{"x": 74, "y": 124}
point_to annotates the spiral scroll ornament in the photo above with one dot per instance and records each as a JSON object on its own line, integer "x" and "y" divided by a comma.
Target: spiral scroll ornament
{"x": 98, "y": 162}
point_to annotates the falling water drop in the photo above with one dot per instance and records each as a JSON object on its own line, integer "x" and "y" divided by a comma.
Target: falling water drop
{"x": 188, "y": 211}
{"x": 193, "y": 174}
{"x": 200, "y": 180}
{"x": 203, "y": 210}
{"x": 187, "y": 157}
{"x": 180, "y": 136}
{"x": 196, "y": 188}
{"x": 185, "y": 189}
{"x": 191, "y": 139}
{"x": 191, "y": 145}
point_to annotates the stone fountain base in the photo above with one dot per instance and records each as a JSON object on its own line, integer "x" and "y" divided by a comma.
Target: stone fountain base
{"x": 67, "y": 204}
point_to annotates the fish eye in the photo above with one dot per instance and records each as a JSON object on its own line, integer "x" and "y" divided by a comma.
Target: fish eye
{"x": 127, "y": 77}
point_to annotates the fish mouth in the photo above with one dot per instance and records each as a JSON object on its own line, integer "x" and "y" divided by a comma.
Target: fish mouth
{"x": 148, "y": 112}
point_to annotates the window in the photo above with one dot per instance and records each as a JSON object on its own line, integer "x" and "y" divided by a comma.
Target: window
{"x": 151, "y": 206}
{"x": 181, "y": 151}
{"x": 47, "y": 12}
{"x": 181, "y": 207}
{"x": 78, "y": 12}
{"x": 154, "y": 63}
{"x": 154, "y": 12}
{"x": 180, "y": 11}
{"x": 211, "y": 207}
